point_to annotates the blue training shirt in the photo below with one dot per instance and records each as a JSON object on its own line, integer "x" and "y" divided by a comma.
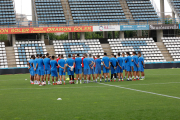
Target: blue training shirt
{"x": 128, "y": 60}
{"x": 98, "y": 64}
{"x": 31, "y": 62}
{"x": 141, "y": 59}
{"x": 135, "y": 60}
{"x": 47, "y": 63}
{"x": 78, "y": 62}
{"x": 86, "y": 62}
{"x": 53, "y": 64}
{"x": 40, "y": 63}
{"x": 70, "y": 61}
{"x": 91, "y": 60}
{"x": 120, "y": 60}
{"x": 62, "y": 63}
{"x": 35, "y": 62}
{"x": 113, "y": 61}
{"x": 124, "y": 63}
{"x": 106, "y": 60}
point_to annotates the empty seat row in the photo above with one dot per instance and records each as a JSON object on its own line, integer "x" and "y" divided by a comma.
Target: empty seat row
{"x": 146, "y": 46}
{"x": 24, "y": 49}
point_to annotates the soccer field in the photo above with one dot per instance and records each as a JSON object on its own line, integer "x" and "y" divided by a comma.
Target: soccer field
{"x": 155, "y": 98}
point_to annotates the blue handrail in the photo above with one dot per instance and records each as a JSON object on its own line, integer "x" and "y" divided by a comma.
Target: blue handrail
{"x": 20, "y": 24}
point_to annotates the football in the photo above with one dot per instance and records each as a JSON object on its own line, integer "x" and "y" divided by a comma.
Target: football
{"x": 70, "y": 82}
{"x": 59, "y": 83}
{"x": 43, "y": 83}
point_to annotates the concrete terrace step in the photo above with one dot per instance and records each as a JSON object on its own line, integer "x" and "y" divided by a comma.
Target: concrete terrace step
{"x": 126, "y": 10}
{"x": 50, "y": 49}
{"x": 107, "y": 49}
{"x": 164, "y": 51}
{"x": 10, "y": 57}
{"x": 67, "y": 11}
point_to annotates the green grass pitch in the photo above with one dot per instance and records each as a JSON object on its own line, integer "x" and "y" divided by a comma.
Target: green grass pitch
{"x": 22, "y": 101}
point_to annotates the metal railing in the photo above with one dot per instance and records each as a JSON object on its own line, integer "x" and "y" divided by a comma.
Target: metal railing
{"x": 23, "y": 24}
{"x": 155, "y": 7}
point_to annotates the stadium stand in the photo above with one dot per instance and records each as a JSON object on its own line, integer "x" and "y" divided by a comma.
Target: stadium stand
{"x": 142, "y": 10}
{"x": 49, "y": 12}
{"x": 24, "y": 50}
{"x": 7, "y": 13}
{"x": 173, "y": 46}
{"x": 3, "y": 57}
{"x": 175, "y": 5}
{"x": 78, "y": 46}
{"x": 147, "y": 46}
{"x": 84, "y": 11}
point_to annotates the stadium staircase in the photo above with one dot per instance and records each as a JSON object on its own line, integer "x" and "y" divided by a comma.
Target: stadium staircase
{"x": 126, "y": 10}
{"x": 107, "y": 49}
{"x": 10, "y": 57}
{"x": 67, "y": 11}
{"x": 50, "y": 50}
{"x": 164, "y": 51}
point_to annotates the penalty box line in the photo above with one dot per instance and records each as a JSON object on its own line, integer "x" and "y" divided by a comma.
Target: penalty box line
{"x": 141, "y": 91}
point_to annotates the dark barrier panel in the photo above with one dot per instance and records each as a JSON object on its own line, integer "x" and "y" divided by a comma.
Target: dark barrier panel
{"x": 148, "y": 66}
{"x": 14, "y": 71}
{"x": 103, "y": 40}
{"x": 162, "y": 65}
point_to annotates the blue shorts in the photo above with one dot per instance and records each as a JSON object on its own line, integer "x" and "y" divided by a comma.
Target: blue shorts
{"x": 47, "y": 71}
{"x": 98, "y": 71}
{"x": 105, "y": 70}
{"x": 70, "y": 72}
{"x": 78, "y": 71}
{"x": 54, "y": 73}
{"x": 87, "y": 72}
{"x": 36, "y": 72}
{"x": 32, "y": 72}
{"x": 113, "y": 71}
{"x": 135, "y": 68}
{"x": 91, "y": 71}
{"x": 123, "y": 67}
{"x": 61, "y": 72}
{"x": 40, "y": 72}
{"x": 128, "y": 68}
{"x": 141, "y": 69}
{"x": 119, "y": 70}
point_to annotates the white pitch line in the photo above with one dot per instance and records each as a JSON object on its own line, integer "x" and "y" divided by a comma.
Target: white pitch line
{"x": 153, "y": 84}
{"x": 141, "y": 91}
{"x": 49, "y": 88}
{"x": 163, "y": 74}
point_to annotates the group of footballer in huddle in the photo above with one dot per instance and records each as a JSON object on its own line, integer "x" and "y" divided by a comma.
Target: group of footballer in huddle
{"x": 41, "y": 67}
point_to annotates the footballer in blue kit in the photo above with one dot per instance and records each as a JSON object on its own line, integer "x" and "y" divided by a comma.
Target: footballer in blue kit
{"x": 98, "y": 68}
{"x": 47, "y": 70}
{"x": 135, "y": 65}
{"x": 40, "y": 68}
{"x": 62, "y": 69}
{"x": 54, "y": 65}
{"x": 86, "y": 62}
{"x": 141, "y": 66}
{"x": 78, "y": 68}
{"x": 124, "y": 64}
{"x": 128, "y": 61}
{"x": 120, "y": 67}
{"x": 106, "y": 66}
{"x": 31, "y": 69}
{"x": 91, "y": 67}
{"x": 113, "y": 62}
{"x": 36, "y": 71}
{"x": 70, "y": 67}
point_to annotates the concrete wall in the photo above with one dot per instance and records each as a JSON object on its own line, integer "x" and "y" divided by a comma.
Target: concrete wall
{"x": 159, "y": 34}
{"x": 82, "y": 36}
{"x": 121, "y": 34}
